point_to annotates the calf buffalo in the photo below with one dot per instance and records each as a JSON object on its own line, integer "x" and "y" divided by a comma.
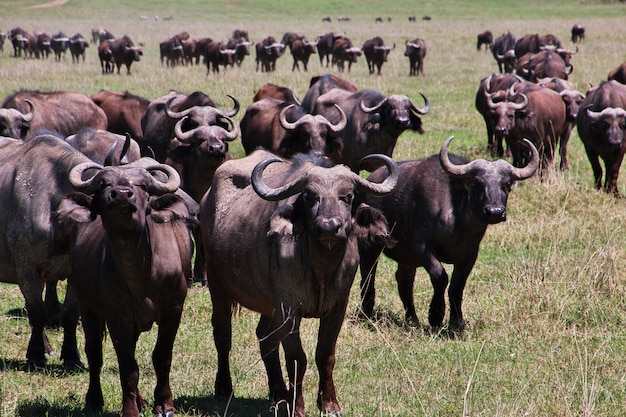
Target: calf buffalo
{"x": 286, "y": 247}
{"x": 439, "y": 213}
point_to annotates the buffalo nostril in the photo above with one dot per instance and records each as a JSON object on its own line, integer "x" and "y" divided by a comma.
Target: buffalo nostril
{"x": 330, "y": 224}
{"x": 495, "y": 211}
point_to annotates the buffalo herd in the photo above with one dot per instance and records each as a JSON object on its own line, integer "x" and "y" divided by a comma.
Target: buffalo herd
{"x": 119, "y": 196}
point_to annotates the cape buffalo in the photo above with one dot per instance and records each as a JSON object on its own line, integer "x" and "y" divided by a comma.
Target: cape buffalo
{"x": 602, "y": 129}
{"x": 503, "y": 50}
{"x": 286, "y": 247}
{"x": 375, "y": 53}
{"x": 416, "y": 52}
{"x": 124, "y": 111}
{"x": 439, "y": 213}
{"x": 323, "y": 84}
{"x": 131, "y": 249}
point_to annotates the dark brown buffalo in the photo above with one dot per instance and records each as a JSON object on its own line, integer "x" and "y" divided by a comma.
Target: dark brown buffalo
{"x": 290, "y": 37}
{"x": 240, "y": 34}
{"x": 216, "y": 54}
{"x": 531, "y": 112}
{"x": 63, "y": 112}
{"x": 43, "y": 45}
{"x": 77, "y": 46}
{"x": 267, "y": 53}
{"x": 131, "y": 248}
{"x": 533, "y": 43}
{"x": 375, "y": 53}
{"x": 301, "y": 51}
{"x": 416, "y": 52}
{"x": 277, "y": 92}
{"x": 325, "y": 44}
{"x": 162, "y": 114}
{"x": 59, "y": 43}
{"x": 106, "y": 57}
{"x": 439, "y": 213}
{"x": 578, "y": 33}
{"x": 503, "y": 50}
{"x": 498, "y": 85}
{"x": 344, "y": 51}
{"x": 285, "y": 129}
{"x": 572, "y": 98}
{"x": 104, "y": 147}
{"x": 190, "y": 47}
{"x": 484, "y": 38}
{"x": 322, "y": 84}
{"x": 124, "y": 52}
{"x": 602, "y": 129}
{"x": 241, "y": 48}
{"x": 544, "y": 64}
{"x": 374, "y": 121}
{"x": 618, "y": 74}
{"x": 172, "y": 52}
{"x": 14, "y": 36}
{"x": 99, "y": 35}
{"x": 124, "y": 112}
{"x": 286, "y": 247}
{"x": 33, "y": 181}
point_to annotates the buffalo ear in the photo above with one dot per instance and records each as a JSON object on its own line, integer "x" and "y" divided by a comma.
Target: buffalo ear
{"x": 284, "y": 221}
{"x": 370, "y": 227}
{"x": 74, "y": 208}
{"x": 167, "y": 208}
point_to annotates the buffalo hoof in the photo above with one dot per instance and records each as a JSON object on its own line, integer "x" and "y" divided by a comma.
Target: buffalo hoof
{"x": 74, "y": 366}
{"x": 168, "y": 414}
{"x": 35, "y": 366}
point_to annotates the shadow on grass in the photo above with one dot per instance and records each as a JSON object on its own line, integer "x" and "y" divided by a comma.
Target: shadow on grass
{"x": 68, "y": 407}
{"x": 55, "y": 370}
{"x": 219, "y": 406}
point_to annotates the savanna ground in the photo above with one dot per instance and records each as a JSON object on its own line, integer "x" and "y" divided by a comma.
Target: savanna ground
{"x": 546, "y": 301}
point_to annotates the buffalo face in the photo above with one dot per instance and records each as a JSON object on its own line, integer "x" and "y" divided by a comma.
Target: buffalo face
{"x": 610, "y": 124}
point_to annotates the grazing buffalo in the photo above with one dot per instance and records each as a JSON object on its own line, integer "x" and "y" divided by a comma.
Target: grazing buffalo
{"x": 99, "y": 35}
{"x": 322, "y": 84}
{"x": 286, "y": 247}
{"x": 33, "y": 181}
{"x": 267, "y": 53}
{"x": 530, "y": 112}
{"x": 578, "y": 33}
{"x": 572, "y": 98}
{"x": 344, "y": 51}
{"x": 618, "y": 74}
{"x": 104, "y": 147}
{"x": 162, "y": 114}
{"x": 277, "y": 92}
{"x": 497, "y": 85}
{"x": 484, "y": 38}
{"x": 77, "y": 45}
{"x": 130, "y": 248}
{"x": 374, "y": 121}
{"x": 375, "y": 53}
{"x": 63, "y": 112}
{"x": 265, "y": 124}
{"x": 106, "y": 57}
{"x": 124, "y": 52}
{"x": 290, "y": 37}
{"x": 301, "y": 51}
{"x": 503, "y": 50}
{"x": 602, "y": 129}
{"x": 439, "y": 213}
{"x": 124, "y": 112}
{"x": 416, "y": 52}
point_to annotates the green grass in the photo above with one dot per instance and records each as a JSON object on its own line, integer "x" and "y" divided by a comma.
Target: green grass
{"x": 546, "y": 300}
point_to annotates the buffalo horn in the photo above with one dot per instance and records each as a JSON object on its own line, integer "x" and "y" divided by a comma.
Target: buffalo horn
{"x": 273, "y": 194}
{"x": 607, "y": 112}
{"x": 76, "y": 177}
{"x": 283, "y": 119}
{"x": 28, "y": 117}
{"x": 184, "y": 137}
{"x": 234, "y": 131}
{"x": 531, "y": 167}
{"x": 366, "y": 109}
{"x": 109, "y": 159}
{"x": 235, "y": 109}
{"x": 159, "y": 187}
{"x": 424, "y": 110}
{"x": 341, "y": 124}
{"x": 387, "y": 185}
{"x": 172, "y": 114}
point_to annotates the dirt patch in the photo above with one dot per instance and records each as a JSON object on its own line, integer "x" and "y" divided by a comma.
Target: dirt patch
{"x": 53, "y": 3}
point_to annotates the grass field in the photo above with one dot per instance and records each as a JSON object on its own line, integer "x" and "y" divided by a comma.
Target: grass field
{"x": 546, "y": 301}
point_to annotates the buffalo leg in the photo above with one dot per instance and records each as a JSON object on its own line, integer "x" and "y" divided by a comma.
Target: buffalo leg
{"x": 125, "y": 343}
{"x": 93, "y": 326}
{"x": 270, "y": 331}
{"x": 35, "y": 353}
{"x": 69, "y": 318}
{"x": 455, "y": 294}
{"x": 162, "y": 360}
{"x": 439, "y": 281}
{"x": 612, "y": 173}
{"x": 595, "y": 166}
{"x": 563, "y": 141}
{"x": 221, "y": 319}
{"x": 53, "y": 306}
{"x": 295, "y": 360}
{"x": 330, "y": 325}
{"x": 369, "y": 263}
{"x": 405, "y": 277}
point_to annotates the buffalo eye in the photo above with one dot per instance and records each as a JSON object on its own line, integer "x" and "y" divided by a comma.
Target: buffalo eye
{"x": 506, "y": 187}
{"x": 622, "y": 125}
{"x": 347, "y": 198}
{"x": 310, "y": 198}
